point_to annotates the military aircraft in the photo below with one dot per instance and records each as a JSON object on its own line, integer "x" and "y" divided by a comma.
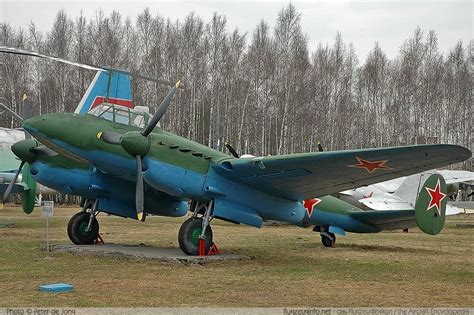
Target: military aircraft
{"x": 401, "y": 193}
{"x": 110, "y": 150}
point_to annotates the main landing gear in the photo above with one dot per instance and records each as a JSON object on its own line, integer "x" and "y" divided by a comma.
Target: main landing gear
{"x": 327, "y": 238}
{"x": 83, "y": 227}
{"x": 195, "y": 234}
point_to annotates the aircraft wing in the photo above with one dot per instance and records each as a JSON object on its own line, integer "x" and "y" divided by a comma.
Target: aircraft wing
{"x": 387, "y": 202}
{"x": 17, "y": 188}
{"x": 387, "y": 220}
{"x": 391, "y": 202}
{"x": 453, "y": 177}
{"x": 308, "y": 175}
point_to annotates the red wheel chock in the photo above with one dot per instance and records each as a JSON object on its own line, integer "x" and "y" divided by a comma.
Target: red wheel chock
{"x": 202, "y": 247}
{"x": 99, "y": 240}
{"x": 213, "y": 250}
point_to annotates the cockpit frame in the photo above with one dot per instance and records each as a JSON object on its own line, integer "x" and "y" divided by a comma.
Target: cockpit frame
{"x": 121, "y": 115}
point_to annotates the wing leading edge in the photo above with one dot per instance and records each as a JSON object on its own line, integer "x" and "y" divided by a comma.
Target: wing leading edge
{"x": 308, "y": 175}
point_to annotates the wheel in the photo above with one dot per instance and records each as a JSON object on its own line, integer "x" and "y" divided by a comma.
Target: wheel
{"x": 327, "y": 242}
{"x": 188, "y": 236}
{"x": 76, "y": 229}
{"x": 69, "y": 228}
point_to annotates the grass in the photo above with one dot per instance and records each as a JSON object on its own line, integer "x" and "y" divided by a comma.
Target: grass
{"x": 289, "y": 268}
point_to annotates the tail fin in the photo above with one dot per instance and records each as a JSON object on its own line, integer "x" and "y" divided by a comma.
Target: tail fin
{"x": 430, "y": 208}
{"x": 113, "y": 87}
{"x": 411, "y": 186}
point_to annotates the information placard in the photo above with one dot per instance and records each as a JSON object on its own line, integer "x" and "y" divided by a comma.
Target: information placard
{"x": 48, "y": 209}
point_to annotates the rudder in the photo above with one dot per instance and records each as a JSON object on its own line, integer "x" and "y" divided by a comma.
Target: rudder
{"x": 430, "y": 207}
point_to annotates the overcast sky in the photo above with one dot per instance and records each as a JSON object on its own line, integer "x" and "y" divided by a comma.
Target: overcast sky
{"x": 360, "y": 22}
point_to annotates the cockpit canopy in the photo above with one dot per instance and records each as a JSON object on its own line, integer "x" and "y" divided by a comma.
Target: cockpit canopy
{"x": 121, "y": 115}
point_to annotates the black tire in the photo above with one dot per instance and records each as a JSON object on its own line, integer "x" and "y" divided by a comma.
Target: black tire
{"x": 69, "y": 227}
{"x": 76, "y": 229}
{"x": 188, "y": 236}
{"x": 327, "y": 242}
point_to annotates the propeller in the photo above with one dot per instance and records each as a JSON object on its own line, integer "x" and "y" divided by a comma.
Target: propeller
{"x": 42, "y": 149}
{"x": 139, "y": 193}
{"x": 137, "y": 145}
{"x": 24, "y": 52}
{"x": 12, "y": 183}
{"x": 28, "y": 151}
{"x": 161, "y": 110}
{"x": 110, "y": 137}
{"x": 232, "y": 150}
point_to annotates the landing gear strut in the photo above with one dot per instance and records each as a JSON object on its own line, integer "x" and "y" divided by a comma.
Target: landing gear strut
{"x": 83, "y": 227}
{"x": 195, "y": 234}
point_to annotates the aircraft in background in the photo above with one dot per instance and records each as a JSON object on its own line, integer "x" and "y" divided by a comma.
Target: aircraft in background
{"x": 112, "y": 149}
{"x": 401, "y": 193}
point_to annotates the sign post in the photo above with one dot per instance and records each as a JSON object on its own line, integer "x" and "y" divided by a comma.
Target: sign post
{"x": 48, "y": 211}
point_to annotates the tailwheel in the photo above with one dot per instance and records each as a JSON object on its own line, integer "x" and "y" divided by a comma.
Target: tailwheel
{"x": 328, "y": 239}
{"x": 189, "y": 236}
{"x": 82, "y": 229}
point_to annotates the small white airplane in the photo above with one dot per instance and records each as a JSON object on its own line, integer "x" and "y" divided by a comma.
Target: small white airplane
{"x": 400, "y": 193}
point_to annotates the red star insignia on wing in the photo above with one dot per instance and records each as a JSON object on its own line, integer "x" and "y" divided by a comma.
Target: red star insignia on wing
{"x": 368, "y": 195}
{"x": 369, "y": 165}
{"x": 436, "y": 197}
{"x": 309, "y": 205}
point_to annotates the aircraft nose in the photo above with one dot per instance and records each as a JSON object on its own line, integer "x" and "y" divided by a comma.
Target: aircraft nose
{"x": 35, "y": 125}
{"x": 60, "y": 129}
{"x": 49, "y": 125}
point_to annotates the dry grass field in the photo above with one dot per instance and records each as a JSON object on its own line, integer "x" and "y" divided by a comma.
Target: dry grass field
{"x": 290, "y": 267}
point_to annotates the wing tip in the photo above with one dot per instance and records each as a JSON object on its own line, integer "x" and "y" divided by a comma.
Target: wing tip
{"x": 462, "y": 152}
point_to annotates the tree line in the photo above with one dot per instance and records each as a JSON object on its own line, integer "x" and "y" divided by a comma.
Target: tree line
{"x": 264, "y": 92}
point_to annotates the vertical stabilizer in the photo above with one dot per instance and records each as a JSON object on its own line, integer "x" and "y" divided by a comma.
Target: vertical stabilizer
{"x": 430, "y": 208}
{"x": 410, "y": 187}
{"x": 111, "y": 87}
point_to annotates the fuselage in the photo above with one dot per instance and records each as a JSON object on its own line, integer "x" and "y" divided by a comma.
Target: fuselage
{"x": 175, "y": 169}
{"x": 178, "y": 167}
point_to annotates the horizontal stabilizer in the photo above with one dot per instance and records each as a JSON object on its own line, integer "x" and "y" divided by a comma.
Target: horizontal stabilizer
{"x": 429, "y": 214}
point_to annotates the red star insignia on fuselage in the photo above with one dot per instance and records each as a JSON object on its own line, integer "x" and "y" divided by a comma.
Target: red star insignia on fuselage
{"x": 309, "y": 205}
{"x": 369, "y": 165}
{"x": 436, "y": 197}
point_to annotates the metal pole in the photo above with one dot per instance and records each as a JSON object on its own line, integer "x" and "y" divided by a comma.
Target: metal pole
{"x": 47, "y": 235}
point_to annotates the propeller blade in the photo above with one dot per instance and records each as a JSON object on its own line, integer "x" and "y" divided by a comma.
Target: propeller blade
{"x": 24, "y": 52}
{"x": 232, "y": 150}
{"x": 6, "y": 108}
{"x": 160, "y": 111}
{"x": 10, "y": 186}
{"x": 110, "y": 137}
{"x": 44, "y": 150}
{"x": 139, "y": 193}
{"x": 320, "y": 147}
